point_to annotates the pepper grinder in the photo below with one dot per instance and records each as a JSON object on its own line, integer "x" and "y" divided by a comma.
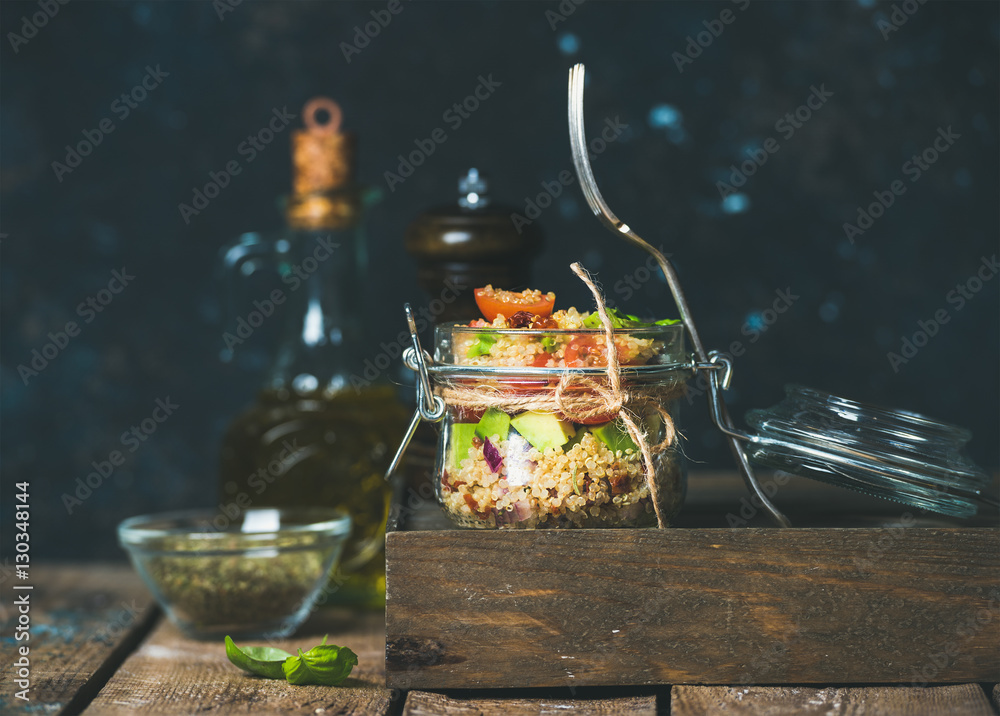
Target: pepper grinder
{"x": 462, "y": 246}
{"x": 470, "y": 244}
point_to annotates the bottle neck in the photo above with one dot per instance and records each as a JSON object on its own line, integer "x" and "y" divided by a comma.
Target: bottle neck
{"x": 322, "y": 271}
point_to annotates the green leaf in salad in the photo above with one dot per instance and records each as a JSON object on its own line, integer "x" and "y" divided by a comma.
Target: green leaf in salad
{"x": 326, "y": 665}
{"x": 549, "y": 344}
{"x": 624, "y": 320}
{"x": 615, "y": 436}
{"x": 482, "y": 346}
{"x": 618, "y": 319}
{"x": 261, "y": 660}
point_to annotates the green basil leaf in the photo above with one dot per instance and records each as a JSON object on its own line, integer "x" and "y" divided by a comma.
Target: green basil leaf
{"x": 482, "y": 346}
{"x": 594, "y": 321}
{"x": 326, "y": 665}
{"x": 624, "y": 320}
{"x": 260, "y": 660}
{"x": 618, "y": 320}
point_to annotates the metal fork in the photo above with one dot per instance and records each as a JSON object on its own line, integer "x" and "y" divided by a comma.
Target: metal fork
{"x": 581, "y": 161}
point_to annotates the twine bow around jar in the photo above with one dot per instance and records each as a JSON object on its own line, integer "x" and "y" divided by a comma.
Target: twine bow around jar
{"x": 580, "y": 398}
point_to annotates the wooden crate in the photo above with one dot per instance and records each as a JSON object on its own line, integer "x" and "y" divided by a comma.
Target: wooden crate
{"x": 696, "y": 605}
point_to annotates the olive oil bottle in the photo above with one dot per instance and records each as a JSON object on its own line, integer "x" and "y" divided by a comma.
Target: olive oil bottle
{"x": 317, "y": 435}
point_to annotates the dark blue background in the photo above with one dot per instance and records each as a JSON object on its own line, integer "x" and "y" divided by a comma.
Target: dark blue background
{"x": 162, "y": 336}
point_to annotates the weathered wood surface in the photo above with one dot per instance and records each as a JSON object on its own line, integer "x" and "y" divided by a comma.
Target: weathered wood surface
{"x": 757, "y": 606}
{"x": 956, "y": 700}
{"x": 89, "y": 616}
{"x": 422, "y": 703}
{"x": 171, "y": 674}
{"x": 83, "y": 624}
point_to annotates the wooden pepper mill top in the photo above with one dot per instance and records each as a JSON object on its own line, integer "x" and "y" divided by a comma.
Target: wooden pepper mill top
{"x": 470, "y": 243}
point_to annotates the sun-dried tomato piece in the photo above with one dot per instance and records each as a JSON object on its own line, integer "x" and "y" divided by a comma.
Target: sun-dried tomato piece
{"x": 619, "y": 483}
{"x": 521, "y": 319}
{"x": 471, "y": 502}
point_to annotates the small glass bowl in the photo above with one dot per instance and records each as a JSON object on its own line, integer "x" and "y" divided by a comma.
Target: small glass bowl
{"x": 255, "y": 577}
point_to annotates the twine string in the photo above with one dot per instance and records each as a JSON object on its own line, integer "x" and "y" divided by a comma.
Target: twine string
{"x": 616, "y": 397}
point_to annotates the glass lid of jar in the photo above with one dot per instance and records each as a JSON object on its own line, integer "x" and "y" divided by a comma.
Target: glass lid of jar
{"x": 892, "y": 454}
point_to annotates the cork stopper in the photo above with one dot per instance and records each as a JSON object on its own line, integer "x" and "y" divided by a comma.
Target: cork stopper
{"x": 323, "y": 160}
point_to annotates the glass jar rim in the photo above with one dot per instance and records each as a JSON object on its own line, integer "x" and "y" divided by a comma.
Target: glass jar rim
{"x": 673, "y": 335}
{"x": 647, "y": 372}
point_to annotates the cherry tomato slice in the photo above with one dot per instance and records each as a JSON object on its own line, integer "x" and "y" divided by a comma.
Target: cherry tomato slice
{"x": 589, "y": 352}
{"x": 529, "y": 387}
{"x": 541, "y": 360}
{"x": 468, "y": 415}
{"x": 493, "y": 302}
{"x": 584, "y": 352}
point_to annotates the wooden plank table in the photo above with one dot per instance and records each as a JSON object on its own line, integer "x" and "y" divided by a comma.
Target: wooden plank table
{"x": 171, "y": 674}
{"x": 99, "y": 645}
{"x": 83, "y": 623}
{"x": 691, "y": 606}
{"x": 860, "y": 591}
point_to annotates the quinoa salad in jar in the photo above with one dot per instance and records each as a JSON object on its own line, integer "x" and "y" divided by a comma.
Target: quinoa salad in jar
{"x": 529, "y": 441}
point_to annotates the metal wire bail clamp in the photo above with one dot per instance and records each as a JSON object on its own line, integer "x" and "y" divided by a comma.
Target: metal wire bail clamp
{"x": 430, "y": 407}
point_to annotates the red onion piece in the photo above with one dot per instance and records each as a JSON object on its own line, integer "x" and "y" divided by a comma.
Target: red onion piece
{"x": 521, "y": 510}
{"x": 492, "y": 456}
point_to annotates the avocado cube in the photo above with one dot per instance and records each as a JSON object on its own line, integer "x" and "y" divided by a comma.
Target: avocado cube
{"x": 543, "y": 430}
{"x": 493, "y": 422}
{"x": 613, "y": 435}
{"x": 461, "y": 441}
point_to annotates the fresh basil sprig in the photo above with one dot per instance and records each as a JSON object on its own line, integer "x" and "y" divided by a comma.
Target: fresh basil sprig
{"x": 326, "y": 664}
{"x": 624, "y": 320}
{"x": 323, "y": 665}
{"x": 260, "y": 660}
